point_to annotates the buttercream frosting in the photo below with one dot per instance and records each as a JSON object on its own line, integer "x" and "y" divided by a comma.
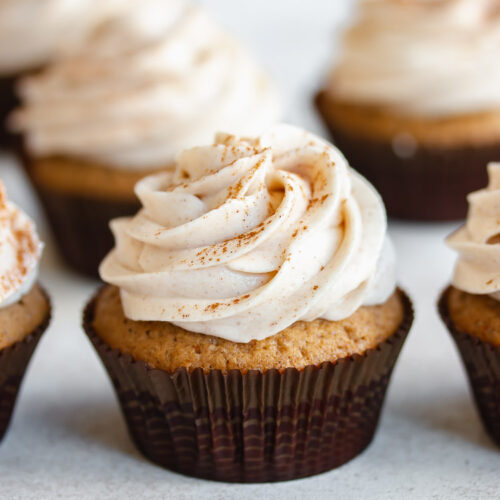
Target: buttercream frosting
{"x": 158, "y": 79}
{"x": 249, "y": 235}
{"x": 20, "y": 252}
{"x": 33, "y": 32}
{"x": 478, "y": 242}
{"x": 422, "y": 57}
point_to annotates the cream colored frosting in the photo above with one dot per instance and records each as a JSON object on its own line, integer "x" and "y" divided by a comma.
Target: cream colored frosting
{"x": 478, "y": 241}
{"x": 248, "y": 236}
{"x": 422, "y": 57}
{"x": 32, "y": 32}
{"x": 155, "y": 81}
{"x": 20, "y": 252}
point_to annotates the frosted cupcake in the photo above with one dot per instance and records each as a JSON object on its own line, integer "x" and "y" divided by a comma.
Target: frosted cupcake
{"x": 413, "y": 101}
{"x": 33, "y": 32}
{"x": 471, "y": 306}
{"x": 144, "y": 87}
{"x": 24, "y": 306}
{"x": 251, "y": 319}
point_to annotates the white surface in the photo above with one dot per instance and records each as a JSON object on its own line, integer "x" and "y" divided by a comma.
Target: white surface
{"x": 68, "y": 439}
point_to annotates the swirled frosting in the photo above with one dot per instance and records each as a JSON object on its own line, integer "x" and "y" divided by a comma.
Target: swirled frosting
{"x": 153, "y": 82}
{"x": 478, "y": 241}
{"x": 20, "y": 252}
{"x": 33, "y": 31}
{"x": 422, "y": 57}
{"x": 247, "y": 236}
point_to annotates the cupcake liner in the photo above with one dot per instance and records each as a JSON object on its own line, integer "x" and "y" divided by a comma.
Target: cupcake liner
{"x": 8, "y": 101}
{"x": 81, "y": 226}
{"x": 431, "y": 185}
{"x": 482, "y": 363}
{"x": 13, "y": 363}
{"x": 79, "y": 223}
{"x": 253, "y": 426}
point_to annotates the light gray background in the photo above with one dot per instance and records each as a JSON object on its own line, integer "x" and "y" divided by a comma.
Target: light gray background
{"x": 68, "y": 439}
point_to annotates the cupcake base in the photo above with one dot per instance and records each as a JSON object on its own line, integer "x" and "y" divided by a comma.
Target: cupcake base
{"x": 13, "y": 363}
{"x": 482, "y": 363}
{"x": 429, "y": 182}
{"x": 253, "y": 426}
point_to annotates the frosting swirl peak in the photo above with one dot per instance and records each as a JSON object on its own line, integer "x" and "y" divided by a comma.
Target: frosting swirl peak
{"x": 20, "y": 252}
{"x": 248, "y": 236}
{"x": 478, "y": 242}
{"x": 422, "y": 57}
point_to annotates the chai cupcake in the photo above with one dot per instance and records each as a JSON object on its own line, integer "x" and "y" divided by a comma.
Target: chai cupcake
{"x": 470, "y": 307}
{"x": 24, "y": 305}
{"x": 32, "y": 33}
{"x": 251, "y": 320}
{"x": 413, "y": 101}
{"x": 143, "y": 88}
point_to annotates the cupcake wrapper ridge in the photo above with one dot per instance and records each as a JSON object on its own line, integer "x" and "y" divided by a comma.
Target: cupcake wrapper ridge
{"x": 254, "y": 426}
{"x": 14, "y": 361}
{"x": 432, "y": 184}
{"x": 482, "y": 363}
{"x": 8, "y": 102}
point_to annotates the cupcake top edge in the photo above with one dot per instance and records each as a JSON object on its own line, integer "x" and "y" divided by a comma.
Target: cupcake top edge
{"x": 34, "y": 32}
{"x": 432, "y": 58}
{"x": 143, "y": 87}
{"x": 20, "y": 251}
{"x": 478, "y": 242}
{"x": 249, "y": 235}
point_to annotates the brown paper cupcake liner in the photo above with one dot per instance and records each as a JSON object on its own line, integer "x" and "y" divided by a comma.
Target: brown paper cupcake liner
{"x": 254, "y": 426}
{"x": 482, "y": 363}
{"x": 13, "y": 363}
{"x": 8, "y": 101}
{"x": 81, "y": 226}
{"x": 432, "y": 184}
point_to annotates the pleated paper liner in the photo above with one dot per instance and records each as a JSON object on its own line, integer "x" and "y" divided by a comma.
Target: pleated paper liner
{"x": 13, "y": 363}
{"x": 79, "y": 223}
{"x": 81, "y": 226}
{"x": 8, "y": 101}
{"x": 432, "y": 184}
{"x": 482, "y": 364}
{"x": 254, "y": 426}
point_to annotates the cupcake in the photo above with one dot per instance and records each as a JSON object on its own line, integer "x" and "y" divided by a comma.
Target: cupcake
{"x": 250, "y": 321}
{"x": 470, "y": 307}
{"x": 24, "y": 306}
{"x": 414, "y": 101}
{"x": 143, "y": 88}
{"x": 33, "y": 32}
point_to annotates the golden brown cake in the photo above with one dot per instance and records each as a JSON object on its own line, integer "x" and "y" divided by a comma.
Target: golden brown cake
{"x": 70, "y": 176}
{"x": 168, "y": 347}
{"x": 23, "y": 317}
{"x": 477, "y": 315}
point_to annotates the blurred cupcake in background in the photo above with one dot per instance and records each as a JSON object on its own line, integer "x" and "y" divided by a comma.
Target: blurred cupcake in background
{"x": 153, "y": 81}
{"x": 32, "y": 32}
{"x": 24, "y": 306}
{"x": 471, "y": 306}
{"x": 251, "y": 319}
{"x": 413, "y": 101}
